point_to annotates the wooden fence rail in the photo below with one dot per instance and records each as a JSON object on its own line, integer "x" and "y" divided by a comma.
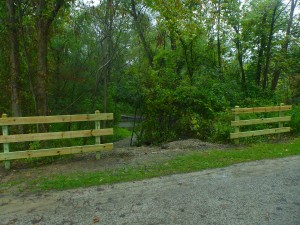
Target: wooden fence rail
{"x": 237, "y": 123}
{"x": 5, "y": 138}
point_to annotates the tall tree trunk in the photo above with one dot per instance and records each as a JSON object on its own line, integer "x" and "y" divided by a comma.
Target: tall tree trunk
{"x": 269, "y": 46}
{"x": 14, "y": 59}
{"x": 16, "y": 106}
{"x": 30, "y": 70}
{"x": 219, "y": 41}
{"x": 108, "y": 48}
{"x": 240, "y": 57}
{"x": 241, "y": 64}
{"x": 261, "y": 50}
{"x": 44, "y": 21}
{"x": 141, "y": 33}
{"x": 42, "y": 68}
{"x": 284, "y": 47}
{"x": 108, "y": 51}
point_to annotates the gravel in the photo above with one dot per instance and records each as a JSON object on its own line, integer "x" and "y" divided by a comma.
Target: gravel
{"x": 262, "y": 192}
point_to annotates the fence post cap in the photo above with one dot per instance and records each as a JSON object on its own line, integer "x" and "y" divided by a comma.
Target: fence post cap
{"x": 281, "y": 104}
{"x": 237, "y": 106}
{"x": 97, "y": 111}
{"x": 4, "y": 115}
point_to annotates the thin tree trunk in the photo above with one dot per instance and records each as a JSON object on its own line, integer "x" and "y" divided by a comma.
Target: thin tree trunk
{"x": 284, "y": 47}
{"x": 241, "y": 64}
{"x": 261, "y": 50}
{"x": 219, "y": 42}
{"x": 269, "y": 45}
{"x": 108, "y": 47}
{"x": 240, "y": 58}
{"x": 29, "y": 72}
{"x": 141, "y": 33}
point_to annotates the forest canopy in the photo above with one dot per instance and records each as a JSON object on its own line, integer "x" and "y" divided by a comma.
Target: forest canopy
{"x": 180, "y": 65}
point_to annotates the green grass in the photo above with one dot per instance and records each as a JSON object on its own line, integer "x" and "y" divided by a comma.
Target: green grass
{"x": 119, "y": 134}
{"x": 192, "y": 161}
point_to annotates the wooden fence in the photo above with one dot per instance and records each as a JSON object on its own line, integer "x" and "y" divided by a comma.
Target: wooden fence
{"x": 237, "y": 123}
{"x": 5, "y": 138}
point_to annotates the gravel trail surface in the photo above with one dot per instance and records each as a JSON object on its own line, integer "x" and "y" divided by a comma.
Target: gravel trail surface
{"x": 261, "y": 192}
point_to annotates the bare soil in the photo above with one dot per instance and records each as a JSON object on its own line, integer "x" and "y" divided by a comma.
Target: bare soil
{"x": 122, "y": 155}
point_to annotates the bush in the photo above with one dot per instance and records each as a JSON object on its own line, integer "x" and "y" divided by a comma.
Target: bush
{"x": 184, "y": 112}
{"x": 295, "y": 121}
{"x": 221, "y": 127}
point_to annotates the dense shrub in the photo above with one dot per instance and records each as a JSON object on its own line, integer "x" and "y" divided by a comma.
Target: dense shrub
{"x": 295, "y": 122}
{"x": 221, "y": 127}
{"x": 186, "y": 111}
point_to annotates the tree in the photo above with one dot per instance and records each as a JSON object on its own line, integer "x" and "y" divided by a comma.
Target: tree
{"x": 44, "y": 21}
{"x": 284, "y": 47}
{"x": 275, "y": 5}
{"x": 14, "y": 59}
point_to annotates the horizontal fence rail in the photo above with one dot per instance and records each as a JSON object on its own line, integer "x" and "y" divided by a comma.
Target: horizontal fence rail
{"x": 260, "y": 121}
{"x": 54, "y": 135}
{"x": 97, "y": 132}
{"x": 237, "y": 123}
{"x": 261, "y": 109}
{"x": 55, "y": 119}
{"x": 55, "y": 151}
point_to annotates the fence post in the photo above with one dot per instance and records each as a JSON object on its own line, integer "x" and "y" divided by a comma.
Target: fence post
{"x": 5, "y": 145}
{"x": 237, "y": 128}
{"x": 98, "y": 138}
{"x": 280, "y": 124}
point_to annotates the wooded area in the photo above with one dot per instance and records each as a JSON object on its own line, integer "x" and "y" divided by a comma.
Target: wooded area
{"x": 180, "y": 65}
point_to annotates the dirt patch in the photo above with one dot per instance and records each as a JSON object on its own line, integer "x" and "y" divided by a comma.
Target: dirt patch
{"x": 121, "y": 156}
{"x": 193, "y": 144}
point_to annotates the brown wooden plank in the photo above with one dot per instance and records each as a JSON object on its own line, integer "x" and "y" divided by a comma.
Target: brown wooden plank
{"x": 259, "y": 132}
{"x": 260, "y": 121}
{"x": 55, "y": 119}
{"x": 54, "y": 135}
{"x": 261, "y": 109}
{"x": 55, "y": 151}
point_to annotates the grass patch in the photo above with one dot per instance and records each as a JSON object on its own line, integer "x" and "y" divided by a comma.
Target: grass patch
{"x": 192, "y": 161}
{"x": 119, "y": 134}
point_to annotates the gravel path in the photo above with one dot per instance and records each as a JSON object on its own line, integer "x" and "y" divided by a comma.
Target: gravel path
{"x": 262, "y": 192}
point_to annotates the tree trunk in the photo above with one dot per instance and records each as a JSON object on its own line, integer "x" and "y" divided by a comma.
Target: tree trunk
{"x": 16, "y": 105}
{"x": 141, "y": 33}
{"x": 261, "y": 50}
{"x": 284, "y": 47}
{"x": 269, "y": 45}
{"x": 44, "y": 21}
{"x": 240, "y": 57}
{"x": 42, "y": 68}
{"x": 219, "y": 42}
{"x": 108, "y": 48}
{"x": 241, "y": 64}
{"x": 14, "y": 60}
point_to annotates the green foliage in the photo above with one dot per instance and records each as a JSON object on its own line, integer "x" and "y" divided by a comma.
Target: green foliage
{"x": 295, "y": 122}
{"x": 119, "y": 134}
{"x": 186, "y": 111}
{"x": 179, "y": 64}
{"x": 34, "y": 145}
{"x": 221, "y": 127}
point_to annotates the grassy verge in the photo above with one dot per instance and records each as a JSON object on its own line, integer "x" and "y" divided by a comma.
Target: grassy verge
{"x": 192, "y": 161}
{"x": 189, "y": 162}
